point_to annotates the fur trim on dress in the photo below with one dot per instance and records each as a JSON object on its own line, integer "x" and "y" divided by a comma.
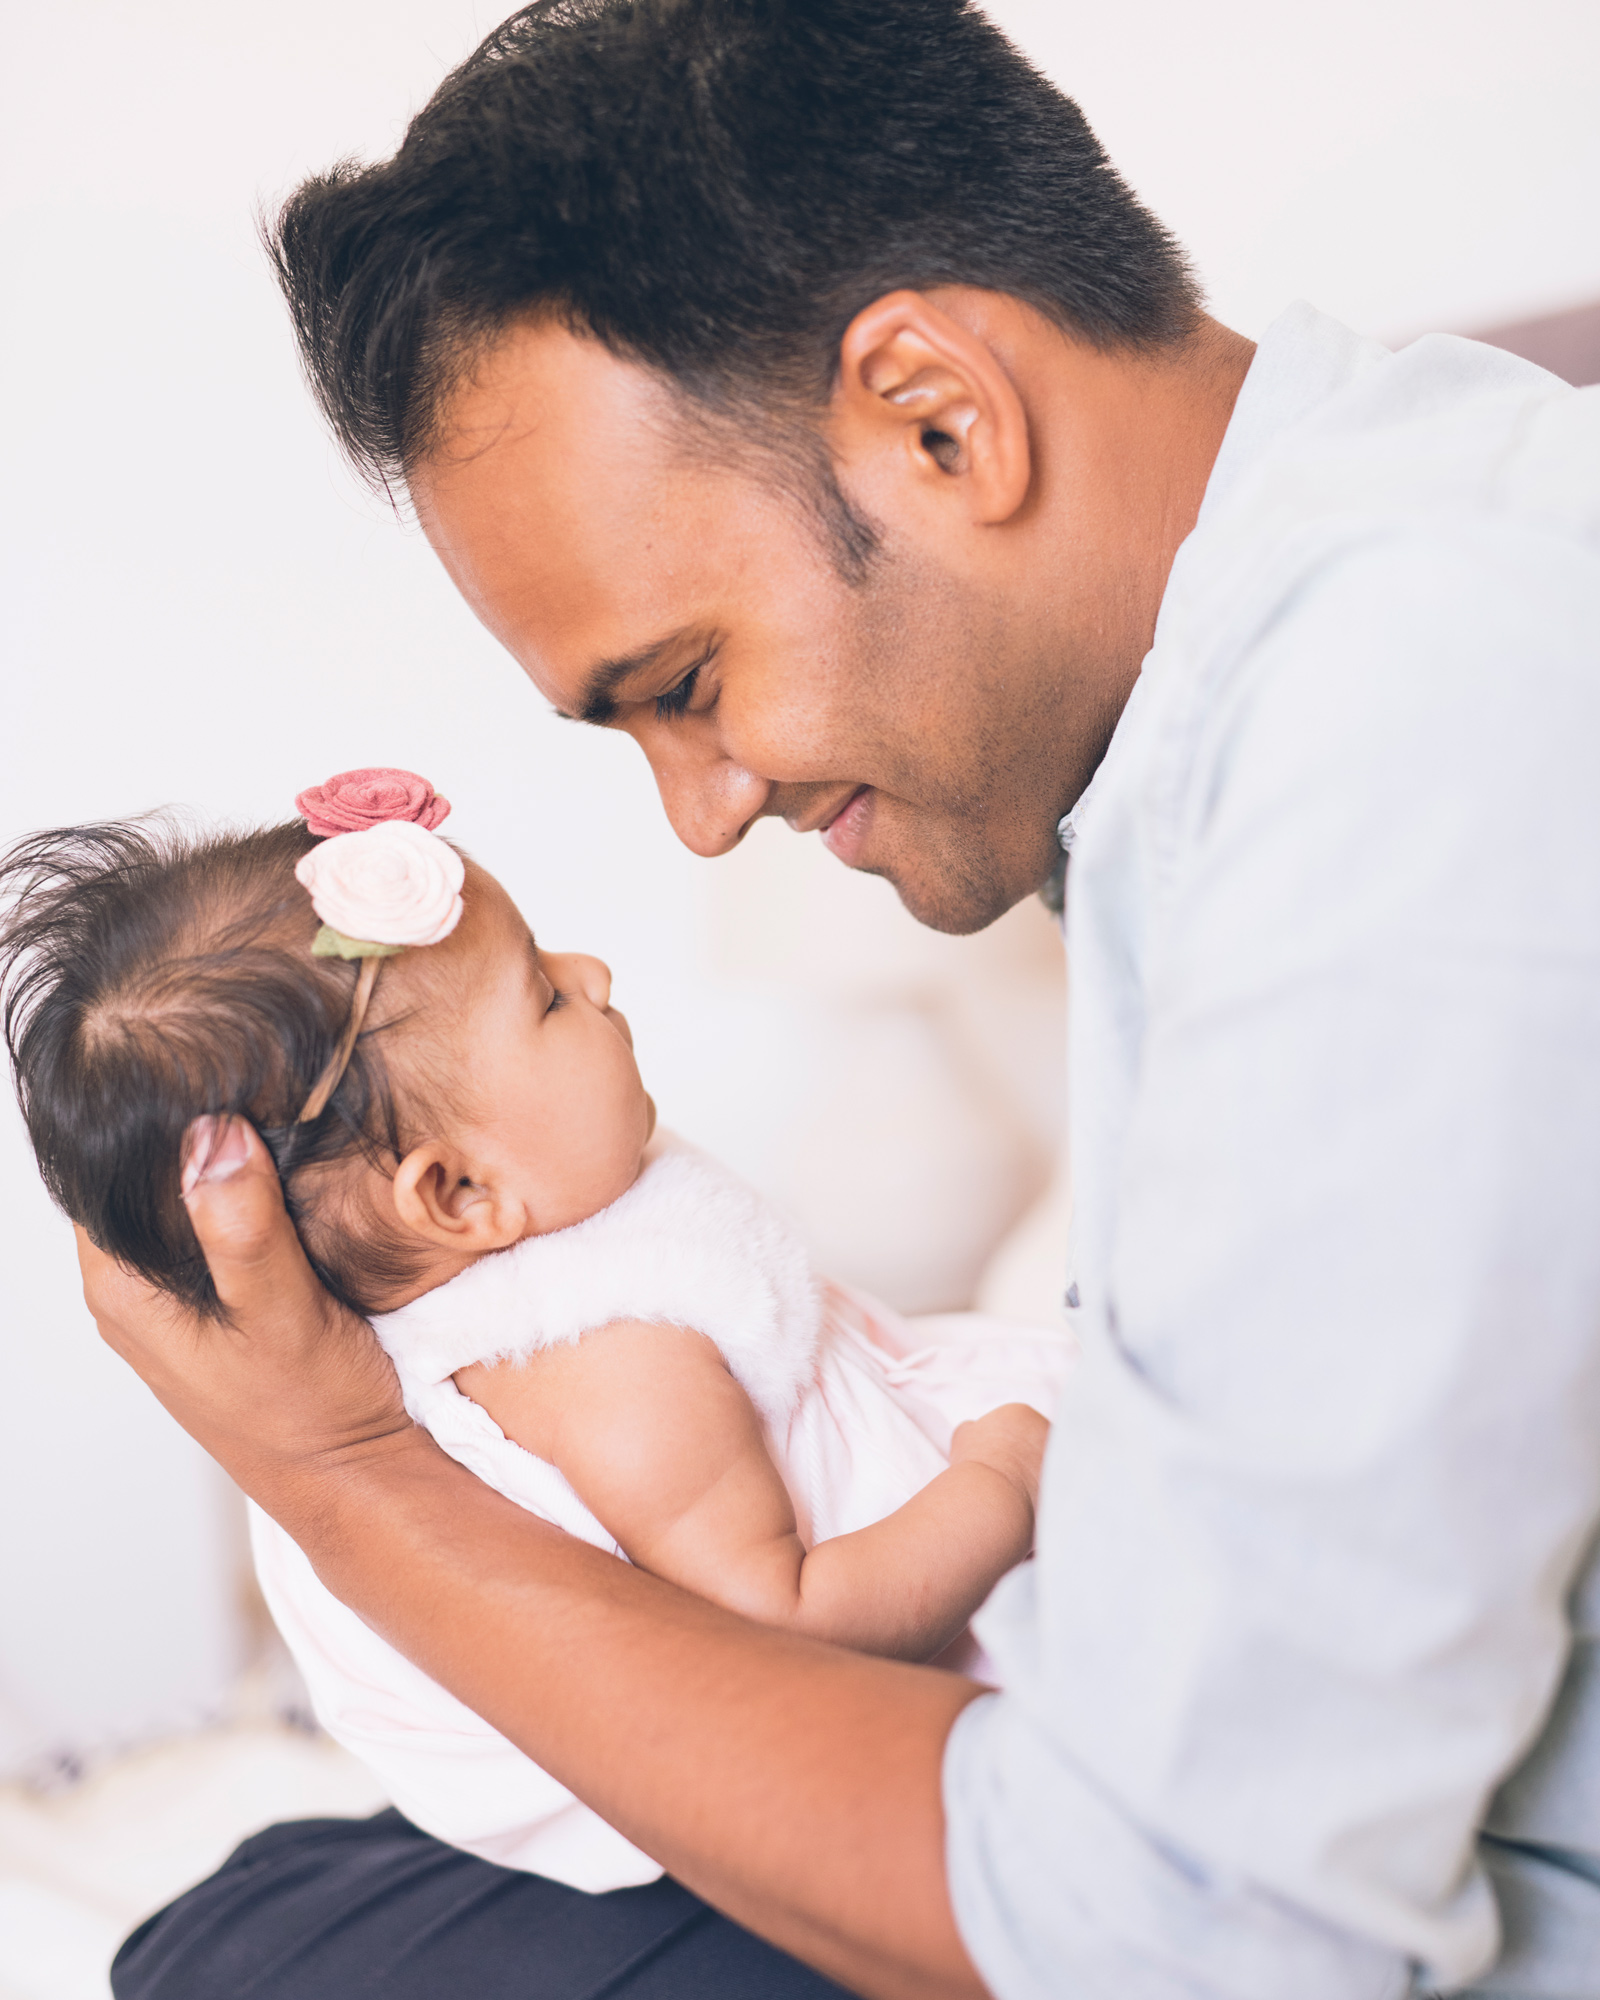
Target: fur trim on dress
{"x": 687, "y": 1245}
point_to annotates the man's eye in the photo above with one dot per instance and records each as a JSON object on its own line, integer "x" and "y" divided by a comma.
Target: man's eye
{"x": 676, "y": 700}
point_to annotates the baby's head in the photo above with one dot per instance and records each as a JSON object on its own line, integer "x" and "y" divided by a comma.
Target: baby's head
{"x": 152, "y": 976}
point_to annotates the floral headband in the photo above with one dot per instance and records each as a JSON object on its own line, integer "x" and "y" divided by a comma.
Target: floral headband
{"x": 381, "y": 881}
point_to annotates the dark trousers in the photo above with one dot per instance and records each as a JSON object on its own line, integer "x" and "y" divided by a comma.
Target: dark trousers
{"x": 342, "y": 1909}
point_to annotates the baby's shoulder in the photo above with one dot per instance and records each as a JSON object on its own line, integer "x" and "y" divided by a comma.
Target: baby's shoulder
{"x": 689, "y": 1244}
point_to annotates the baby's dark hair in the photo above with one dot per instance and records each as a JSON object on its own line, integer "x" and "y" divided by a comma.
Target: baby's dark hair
{"x": 151, "y": 975}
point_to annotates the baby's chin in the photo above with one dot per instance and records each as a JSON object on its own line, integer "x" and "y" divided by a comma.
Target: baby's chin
{"x": 649, "y": 1117}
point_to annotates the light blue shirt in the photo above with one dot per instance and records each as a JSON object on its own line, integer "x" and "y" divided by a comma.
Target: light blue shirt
{"x": 1318, "y": 1514}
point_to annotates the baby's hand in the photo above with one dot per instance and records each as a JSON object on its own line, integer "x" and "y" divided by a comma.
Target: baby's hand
{"x": 1011, "y": 1440}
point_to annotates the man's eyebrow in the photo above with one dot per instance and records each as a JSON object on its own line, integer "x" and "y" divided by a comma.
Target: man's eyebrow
{"x": 597, "y": 703}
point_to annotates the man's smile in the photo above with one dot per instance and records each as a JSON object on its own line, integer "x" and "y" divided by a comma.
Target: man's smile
{"x": 820, "y": 818}
{"x": 845, "y": 835}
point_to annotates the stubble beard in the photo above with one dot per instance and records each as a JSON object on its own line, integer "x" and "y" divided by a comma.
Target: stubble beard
{"x": 959, "y": 883}
{"x": 980, "y": 838}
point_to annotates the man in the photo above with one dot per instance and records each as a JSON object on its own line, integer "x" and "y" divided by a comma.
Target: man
{"x": 795, "y": 388}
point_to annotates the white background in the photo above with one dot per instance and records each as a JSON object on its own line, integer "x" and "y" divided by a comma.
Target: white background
{"x": 199, "y": 607}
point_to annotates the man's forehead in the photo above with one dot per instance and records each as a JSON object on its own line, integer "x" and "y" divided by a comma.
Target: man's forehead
{"x": 588, "y": 535}
{"x": 569, "y": 565}
{"x": 539, "y": 398}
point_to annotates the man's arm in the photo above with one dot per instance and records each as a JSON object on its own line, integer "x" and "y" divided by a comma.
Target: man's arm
{"x": 795, "y": 1786}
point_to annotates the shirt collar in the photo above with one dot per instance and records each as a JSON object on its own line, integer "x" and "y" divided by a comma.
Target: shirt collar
{"x": 1302, "y": 360}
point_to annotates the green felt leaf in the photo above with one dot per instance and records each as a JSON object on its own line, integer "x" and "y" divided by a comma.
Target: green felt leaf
{"x": 329, "y": 943}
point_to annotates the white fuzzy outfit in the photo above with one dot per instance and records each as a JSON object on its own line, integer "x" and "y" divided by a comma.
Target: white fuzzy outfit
{"x": 857, "y": 1406}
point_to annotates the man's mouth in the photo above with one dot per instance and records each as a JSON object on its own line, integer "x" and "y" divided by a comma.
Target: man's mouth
{"x": 845, "y": 835}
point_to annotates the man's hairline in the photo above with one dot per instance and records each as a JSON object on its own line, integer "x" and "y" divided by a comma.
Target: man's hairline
{"x": 781, "y": 444}
{"x": 739, "y": 433}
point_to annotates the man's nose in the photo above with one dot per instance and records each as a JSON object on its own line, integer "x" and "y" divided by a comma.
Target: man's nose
{"x": 709, "y": 799}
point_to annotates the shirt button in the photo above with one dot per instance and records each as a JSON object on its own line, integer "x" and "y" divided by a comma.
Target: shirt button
{"x": 1073, "y": 1301}
{"x": 1066, "y": 833}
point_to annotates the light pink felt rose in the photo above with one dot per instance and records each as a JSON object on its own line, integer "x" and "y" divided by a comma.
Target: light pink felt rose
{"x": 372, "y": 797}
{"x": 394, "y": 883}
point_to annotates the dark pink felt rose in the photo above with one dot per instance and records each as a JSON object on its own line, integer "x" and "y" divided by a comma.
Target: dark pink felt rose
{"x": 358, "y": 799}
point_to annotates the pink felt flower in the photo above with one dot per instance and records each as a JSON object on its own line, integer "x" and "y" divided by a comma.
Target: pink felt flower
{"x": 394, "y": 883}
{"x": 357, "y": 799}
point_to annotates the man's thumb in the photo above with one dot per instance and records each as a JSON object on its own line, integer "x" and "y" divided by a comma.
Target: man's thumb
{"x": 235, "y": 1202}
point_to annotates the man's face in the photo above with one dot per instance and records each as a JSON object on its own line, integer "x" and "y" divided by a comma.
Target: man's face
{"x": 912, "y": 718}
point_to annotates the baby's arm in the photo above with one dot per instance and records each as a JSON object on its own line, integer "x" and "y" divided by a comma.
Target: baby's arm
{"x": 665, "y": 1449}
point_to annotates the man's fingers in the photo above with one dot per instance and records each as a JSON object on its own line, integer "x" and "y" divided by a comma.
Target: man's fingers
{"x": 292, "y": 1376}
{"x": 116, "y": 1298}
{"x": 235, "y": 1202}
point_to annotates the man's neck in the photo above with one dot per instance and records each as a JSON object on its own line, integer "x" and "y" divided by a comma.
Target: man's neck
{"x": 1127, "y": 445}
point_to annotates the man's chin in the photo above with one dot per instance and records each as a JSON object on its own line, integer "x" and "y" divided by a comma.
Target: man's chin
{"x": 958, "y": 908}
{"x": 952, "y": 875}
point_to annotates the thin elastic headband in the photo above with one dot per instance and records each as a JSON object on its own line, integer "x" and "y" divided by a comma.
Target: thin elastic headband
{"x": 382, "y": 882}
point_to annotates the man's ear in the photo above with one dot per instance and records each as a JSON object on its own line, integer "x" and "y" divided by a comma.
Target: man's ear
{"x": 437, "y": 1198}
{"x": 931, "y": 393}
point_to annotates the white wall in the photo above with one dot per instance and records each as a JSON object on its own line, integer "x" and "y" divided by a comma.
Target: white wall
{"x": 1408, "y": 165}
{"x": 199, "y": 607}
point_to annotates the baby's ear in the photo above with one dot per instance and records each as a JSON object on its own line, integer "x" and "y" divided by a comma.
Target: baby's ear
{"x": 436, "y": 1198}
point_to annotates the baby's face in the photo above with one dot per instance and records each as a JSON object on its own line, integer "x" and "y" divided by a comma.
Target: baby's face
{"x": 551, "y": 1098}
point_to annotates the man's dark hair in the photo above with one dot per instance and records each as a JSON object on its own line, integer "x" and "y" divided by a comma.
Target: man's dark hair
{"x": 713, "y": 188}
{"x": 150, "y": 976}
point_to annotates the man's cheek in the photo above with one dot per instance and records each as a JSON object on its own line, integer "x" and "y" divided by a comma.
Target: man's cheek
{"x": 784, "y": 741}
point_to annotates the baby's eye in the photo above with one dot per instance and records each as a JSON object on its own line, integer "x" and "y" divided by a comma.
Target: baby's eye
{"x": 557, "y": 999}
{"x": 676, "y": 700}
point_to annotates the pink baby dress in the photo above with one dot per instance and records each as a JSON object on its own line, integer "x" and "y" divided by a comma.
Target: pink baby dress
{"x": 857, "y": 1404}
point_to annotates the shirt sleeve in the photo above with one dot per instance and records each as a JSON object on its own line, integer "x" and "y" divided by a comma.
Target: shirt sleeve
{"x": 1316, "y": 1503}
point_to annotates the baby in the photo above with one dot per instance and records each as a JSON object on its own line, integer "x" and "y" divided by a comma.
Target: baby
{"x": 603, "y": 1325}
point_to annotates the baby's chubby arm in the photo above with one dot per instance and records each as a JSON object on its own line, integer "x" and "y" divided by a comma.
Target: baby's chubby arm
{"x": 666, "y": 1451}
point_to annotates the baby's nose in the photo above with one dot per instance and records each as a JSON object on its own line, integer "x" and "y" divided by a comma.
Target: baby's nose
{"x": 591, "y": 976}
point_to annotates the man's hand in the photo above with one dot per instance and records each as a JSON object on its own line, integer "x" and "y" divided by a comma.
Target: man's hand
{"x": 795, "y": 1786}
{"x": 290, "y": 1378}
